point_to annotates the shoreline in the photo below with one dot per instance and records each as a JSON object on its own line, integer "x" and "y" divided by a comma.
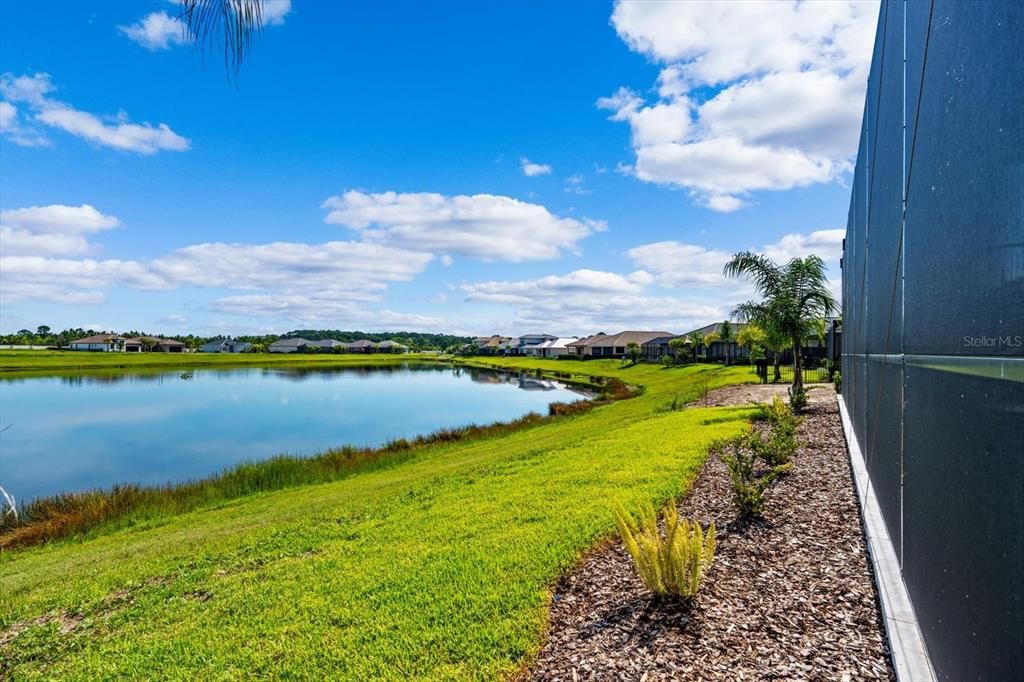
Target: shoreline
{"x": 84, "y": 513}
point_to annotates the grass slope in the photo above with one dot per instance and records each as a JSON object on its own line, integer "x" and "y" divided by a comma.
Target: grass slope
{"x": 437, "y": 567}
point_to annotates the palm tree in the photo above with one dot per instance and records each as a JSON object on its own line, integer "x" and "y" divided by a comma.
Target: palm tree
{"x": 235, "y": 23}
{"x": 794, "y": 296}
{"x": 696, "y": 340}
{"x": 710, "y": 338}
{"x": 633, "y": 352}
{"x": 725, "y": 336}
{"x": 677, "y": 346}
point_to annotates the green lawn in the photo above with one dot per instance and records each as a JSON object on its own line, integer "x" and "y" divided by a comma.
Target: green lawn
{"x": 437, "y": 567}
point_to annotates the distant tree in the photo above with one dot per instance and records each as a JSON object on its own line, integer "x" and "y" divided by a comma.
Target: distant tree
{"x": 821, "y": 330}
{"x": 760, "y": 346}
{"x": 753, "y": 339}
{"x": 43, "y": 330}
{"x": 793, "y": 296}
{"x": 726, "y": 331}
{"x": 696, "y": 340}
{"x": 725, "y": 335}
{"x": 677, "y": 346}
{"x": 633, "y": 352}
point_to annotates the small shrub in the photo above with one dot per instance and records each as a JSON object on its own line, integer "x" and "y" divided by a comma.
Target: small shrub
{"x": 837, "y": 381}
{"x": 560, "y": 409}
{"x": 798, "y": 399}
{"x": 740, "y": 457}
{"x": 616, "y": 389}
{"x": 666, "y": 361}
{"x": 778, "y": 448}
{"x": 673, "y": 563}
{"x": 774, "y": 412}
{"x": 775, "y": 450}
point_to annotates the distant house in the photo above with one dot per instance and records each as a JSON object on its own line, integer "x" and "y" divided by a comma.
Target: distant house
{"x": 115, "y": 343}
{"x": 554, "y": 348}
{"x": 392, "y": 347}
{"x": 491, "y": 345}
{"x": 721, "y": 350}
{"x": 578, "y": 348}
{"x": 528, "y": 344}
{"x": 329, "y": 344}
{"x": 615, "y": 345}
{"x": 289, "y": 345}
{"x": 159, "y": 345}
{"x": 107, "y": 343}
{"x": 361, "y": 346}
{"x": 225, "y": 346}
{"x": 656, "y": 348}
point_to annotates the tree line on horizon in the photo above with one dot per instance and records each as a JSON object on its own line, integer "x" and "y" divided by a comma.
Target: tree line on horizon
{"x": 46, "y": 336}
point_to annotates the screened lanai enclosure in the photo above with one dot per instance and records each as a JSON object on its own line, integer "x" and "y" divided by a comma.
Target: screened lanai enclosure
{"x": 933, "y": 321}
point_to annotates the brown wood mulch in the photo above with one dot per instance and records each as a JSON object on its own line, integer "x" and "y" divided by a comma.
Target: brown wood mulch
{"x": 787, "y": 598}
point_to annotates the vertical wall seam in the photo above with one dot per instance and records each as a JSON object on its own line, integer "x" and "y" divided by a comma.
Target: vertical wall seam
{"x": 903, "y": 273}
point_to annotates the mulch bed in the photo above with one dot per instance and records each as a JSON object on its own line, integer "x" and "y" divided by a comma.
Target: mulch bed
{"x": 790, "y": 597}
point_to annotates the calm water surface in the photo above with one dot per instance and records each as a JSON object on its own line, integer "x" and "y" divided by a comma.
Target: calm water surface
{"x": 85, "y": 431}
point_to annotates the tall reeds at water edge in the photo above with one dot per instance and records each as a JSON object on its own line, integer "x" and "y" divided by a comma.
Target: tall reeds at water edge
{"x": 69, "y": 514}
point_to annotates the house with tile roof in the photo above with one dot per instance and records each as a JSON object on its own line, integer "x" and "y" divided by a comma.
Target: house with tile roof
{"x": 613, "y": 345}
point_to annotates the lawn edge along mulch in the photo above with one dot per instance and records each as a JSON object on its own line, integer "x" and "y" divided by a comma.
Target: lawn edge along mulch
{"x": 789, "y": 597}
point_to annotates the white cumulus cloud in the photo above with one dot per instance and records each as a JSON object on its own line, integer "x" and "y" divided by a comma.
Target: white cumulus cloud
{"x": 483, "y": 226}
{"x": 156, "y": 31}
{"x": 531, "y": 169}
{"x": 788, "y": 81}
{"x": 349, "y": 270}
{"x": 324, "y": 309}
{"x": 54, "y": 230}
{"x": 337, "y": 271}
{"x": 827, "y": 244}
{"x": 679, "y": 265}
{"x": 115, "y": 132}
{"x": 274, "y": 11}
{"x": 12, "y": 128}
{"x": 59, "y": 218}
{"x": 586, "y": 301}
{"x": 161, "y": 31}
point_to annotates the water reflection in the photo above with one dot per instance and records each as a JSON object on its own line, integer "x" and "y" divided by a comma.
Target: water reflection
{"x": 93, "y": 429}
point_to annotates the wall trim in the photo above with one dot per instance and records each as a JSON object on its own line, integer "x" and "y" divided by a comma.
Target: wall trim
{"x": 906, "y": 645}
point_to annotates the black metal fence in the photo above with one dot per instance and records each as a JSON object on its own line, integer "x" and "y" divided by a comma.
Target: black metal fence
{"x": 933, "y": 320}
{"x": 770, "y": 373}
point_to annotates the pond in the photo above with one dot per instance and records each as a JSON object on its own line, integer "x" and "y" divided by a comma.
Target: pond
{"x": 82, "y": 431}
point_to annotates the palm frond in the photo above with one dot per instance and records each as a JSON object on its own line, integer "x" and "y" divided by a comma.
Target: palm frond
{"x": 235, "y": 23}
{"x": 765, "y": 274}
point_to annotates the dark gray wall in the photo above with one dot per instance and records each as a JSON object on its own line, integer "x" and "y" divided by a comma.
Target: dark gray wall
{"x": 933, "y": 320}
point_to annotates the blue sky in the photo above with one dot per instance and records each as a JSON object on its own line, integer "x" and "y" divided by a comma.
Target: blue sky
{"x": 467, "y": 167}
